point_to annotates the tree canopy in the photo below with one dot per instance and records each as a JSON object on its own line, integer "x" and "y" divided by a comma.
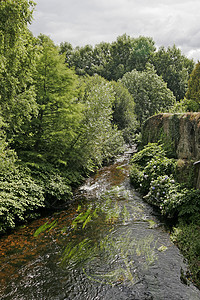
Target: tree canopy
{"x": 174, "y": 67}
{"x": 110, "y": 60}
{"x": 17, "y": 62}
{"x": 193, "y": 92}
{"x": 149, "y": 91}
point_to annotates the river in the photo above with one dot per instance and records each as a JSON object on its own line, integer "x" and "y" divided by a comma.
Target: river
{"x": 109, "y": 244}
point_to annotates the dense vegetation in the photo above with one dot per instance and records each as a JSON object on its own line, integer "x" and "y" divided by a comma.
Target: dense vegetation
{"x": 65, "y": 111}
{"x": 157, "y": 177}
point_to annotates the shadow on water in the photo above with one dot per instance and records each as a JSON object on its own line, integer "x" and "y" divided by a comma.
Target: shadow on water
{"x": 108, "y": 245}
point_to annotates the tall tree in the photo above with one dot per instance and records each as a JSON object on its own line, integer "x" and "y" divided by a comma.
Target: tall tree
{"x": 193, "y": 92}
{"x": 51, "y": 132}
{"x": 174, "y": 68}
{"x": 97, "y": 139}
{"x": 124, "y": 111}
{"x": 102, "y": 60}
{"x": 129, "y": 53}
{"x": 110, "y": 60}
{"x": 141, "y": 52}
{"x": 149, "y": 91}
{"x": 17, "y": 62}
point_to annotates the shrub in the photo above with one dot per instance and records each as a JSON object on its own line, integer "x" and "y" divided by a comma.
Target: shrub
{"x": 154, "y": 175}
{"x": 20, "y": 197}
{"x": 187, "y": 238}
{"x": 145, "y": 155}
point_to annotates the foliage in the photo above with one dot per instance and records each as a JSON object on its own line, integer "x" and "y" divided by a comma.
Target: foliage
{"x": 57, "y": 127}
{"x": 164, "y": 193}
{"x": 187, "y": 238}
{"x": 184, "y": 105}
{"x": 174, "y": 68}
{"x": 97, "y": 139}
{"x": 149, "y": 151}
{"x": 20, "y": 198}
{"x": 129, "y": 53}
{"x": 8, "y": 156}
{"x": 17, "y": 57}
{"x": 59, "y": 113}
{"x": 124, "y": 111}
{"x": 149, "y": 91}
{"x": 193, "y": 92}
{"x": 110, "y": 60}
{"x": 155, "y": 176}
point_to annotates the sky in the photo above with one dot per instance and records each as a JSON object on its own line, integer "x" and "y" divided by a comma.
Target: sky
{"x": 82, "y": 22}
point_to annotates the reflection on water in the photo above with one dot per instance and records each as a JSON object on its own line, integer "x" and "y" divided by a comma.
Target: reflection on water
{"x": 108, "y": 245}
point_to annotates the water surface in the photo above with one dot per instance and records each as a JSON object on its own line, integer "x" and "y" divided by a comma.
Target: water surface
{"x": 108, "y": 245}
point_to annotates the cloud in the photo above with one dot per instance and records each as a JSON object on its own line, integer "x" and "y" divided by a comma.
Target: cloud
{"x": 82, "y": 22}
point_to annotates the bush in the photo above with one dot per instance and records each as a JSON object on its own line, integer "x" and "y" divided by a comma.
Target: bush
{"x": 148, "y": 165}
{"x": 163, "y": 192}
{"x": 155, "y": 176}
{"x": 20, "y": 198}
{"x": 150, "y": 151}
{"x": 187, "y": 238}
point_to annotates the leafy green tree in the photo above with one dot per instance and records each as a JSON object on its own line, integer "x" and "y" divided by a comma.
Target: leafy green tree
{"x": 17, "y": 62}
{"x": 120, "y": 53}
{"x": 193, "y": 92}
{"x": 141, "y": 51}
{"x": 124, "y": 111}
{"x": 81, "y": 58}
{"x": 149, "y": 91}
{"x": 102, "y": 60}
{"x": 52, "y": 130}
{"x": 129, "y": 53}
{"x": 110, "y": 60}
{"x": 174, "y": 68}
{"x": 67, "y": 49}
{"x": 97, "y": 139}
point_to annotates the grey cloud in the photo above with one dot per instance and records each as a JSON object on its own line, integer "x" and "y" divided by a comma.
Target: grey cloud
{"x": 83, "y": 22}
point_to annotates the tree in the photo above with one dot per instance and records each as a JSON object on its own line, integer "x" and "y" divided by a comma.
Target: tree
{"x": 97, "y": 139}
{"x": 129, "y": 53}
{"x": 149, "y": 91}
{"x": 67, "y": 49}
{"x": 81, "y": 58}
{"x": 174, "y": 68}
{"x": 17, "y": 62}
{"x": 50, "y": 133}
{"x": 124, "y": 111}
{"x": 193, "y": 92}
{"x": 110, "y": 61}
{"x": 102, "y": 60}
{"x": 141, "y": 52}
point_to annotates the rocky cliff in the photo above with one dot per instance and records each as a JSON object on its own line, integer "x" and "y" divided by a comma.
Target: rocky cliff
{"x": 180, "y": 134}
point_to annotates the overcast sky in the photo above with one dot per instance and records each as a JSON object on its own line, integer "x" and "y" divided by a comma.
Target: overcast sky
{"x": 82, "y": 22}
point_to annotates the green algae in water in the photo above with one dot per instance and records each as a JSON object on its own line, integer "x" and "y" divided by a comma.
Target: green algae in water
{"x": 85, "y": 217}
{"x": 78, "y": 253}
{"x": 120, "y": 253}
{"x": 109, "y": 208}
{"x": 44, "y": 227}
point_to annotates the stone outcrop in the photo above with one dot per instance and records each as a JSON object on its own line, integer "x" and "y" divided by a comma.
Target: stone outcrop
{"x": 179, "y": 132}
{"x": 180, "y": 135}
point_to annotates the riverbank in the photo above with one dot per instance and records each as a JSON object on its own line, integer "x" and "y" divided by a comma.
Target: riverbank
{"x": 157, "y": 177}
{"x": 110, "y": 244}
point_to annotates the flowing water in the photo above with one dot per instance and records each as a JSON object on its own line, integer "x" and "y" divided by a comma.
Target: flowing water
{"x": 108, "y": 245}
